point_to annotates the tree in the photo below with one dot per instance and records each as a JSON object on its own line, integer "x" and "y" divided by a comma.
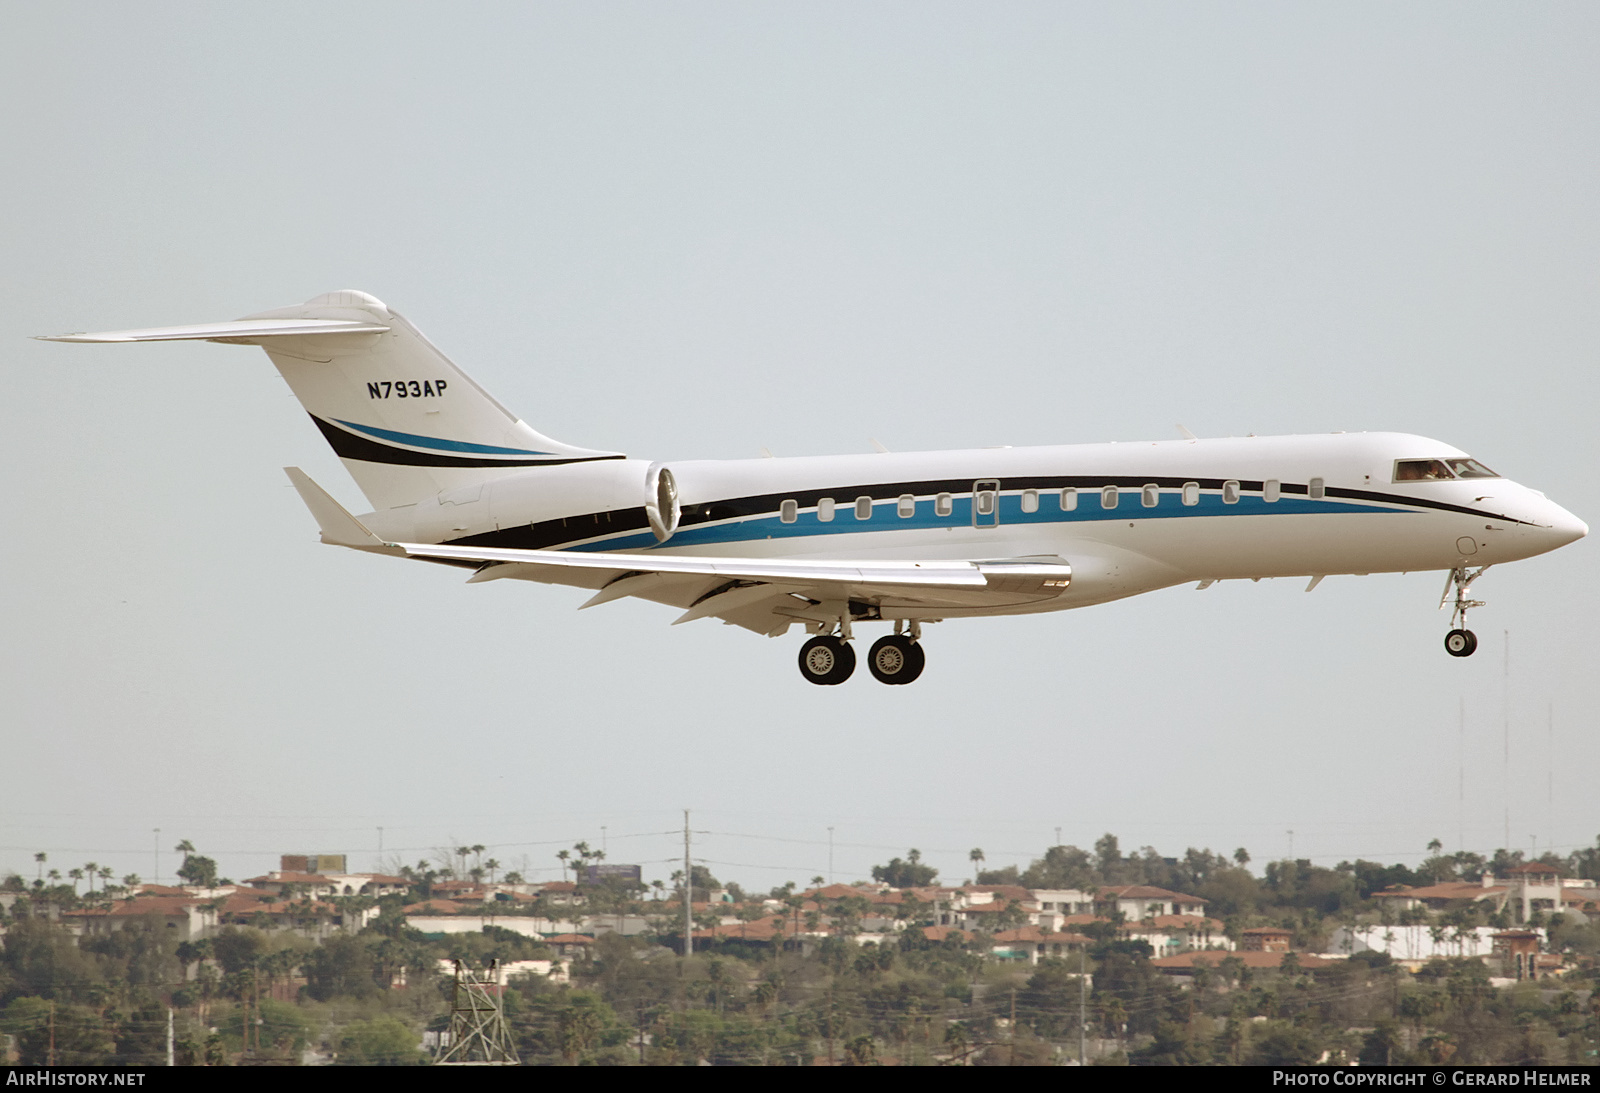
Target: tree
{"x": 383, "y": 1041}
{"x": 977, "y": 859}
{"x": 910, "y": 873}
{"x": 198, "y": 871}
{"x": 1107, "y": 854}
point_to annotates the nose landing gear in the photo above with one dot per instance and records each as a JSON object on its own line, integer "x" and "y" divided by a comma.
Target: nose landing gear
{"x": 1461, "y": 642}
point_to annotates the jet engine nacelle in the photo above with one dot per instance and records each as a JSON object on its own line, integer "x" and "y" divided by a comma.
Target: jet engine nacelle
{"x": 661, "y": 501}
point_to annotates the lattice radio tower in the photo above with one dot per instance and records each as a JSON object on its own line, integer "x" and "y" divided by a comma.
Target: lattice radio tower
{"x": 478, "y": 1033}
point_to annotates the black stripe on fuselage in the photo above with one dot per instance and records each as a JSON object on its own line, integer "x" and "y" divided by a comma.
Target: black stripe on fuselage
{"x": 548, "y": 534}
{"x": 350, "y": 446}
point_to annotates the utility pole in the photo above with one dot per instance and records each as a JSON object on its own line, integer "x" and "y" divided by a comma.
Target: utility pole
{"x": 1083, "y": 1003}
{"x": 1011, "y": 1055}
{"x": 830, "y": 855}
{"x": 1461, "y": 778}
{"x": 688, "y": 893}
{"x": 157, "y": 877}
{"x": 1505, "y": 770}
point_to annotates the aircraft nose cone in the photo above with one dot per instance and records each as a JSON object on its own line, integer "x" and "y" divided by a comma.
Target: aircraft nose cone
{"x": 1566, "y": 528}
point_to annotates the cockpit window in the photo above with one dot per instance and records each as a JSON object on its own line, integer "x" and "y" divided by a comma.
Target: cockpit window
{"x": 1439, "y": 470}
{"x": 1421, "y": 470}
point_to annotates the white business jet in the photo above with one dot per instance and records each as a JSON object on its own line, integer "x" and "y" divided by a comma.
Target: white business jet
{"x": 832, "y": 542}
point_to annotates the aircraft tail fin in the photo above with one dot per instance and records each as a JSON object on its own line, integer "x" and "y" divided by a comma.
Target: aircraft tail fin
{"x": 406, "y": 422}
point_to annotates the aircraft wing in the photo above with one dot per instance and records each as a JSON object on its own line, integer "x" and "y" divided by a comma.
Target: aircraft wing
{"x": 768, "y": 595}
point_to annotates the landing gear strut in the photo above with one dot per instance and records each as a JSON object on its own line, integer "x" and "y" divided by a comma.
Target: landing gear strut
{"x": 1461, "y": 642}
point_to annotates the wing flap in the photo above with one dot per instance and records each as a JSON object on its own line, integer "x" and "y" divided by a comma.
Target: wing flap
{"x": 935, "y": 574}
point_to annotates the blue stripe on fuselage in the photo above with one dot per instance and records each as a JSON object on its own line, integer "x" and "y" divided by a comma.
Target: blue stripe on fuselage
{"x": 885, "y": 517}
{"x": 434, "y": 442}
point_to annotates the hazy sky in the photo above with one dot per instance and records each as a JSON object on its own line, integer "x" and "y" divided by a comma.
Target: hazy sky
{"x": 698, "y": 229}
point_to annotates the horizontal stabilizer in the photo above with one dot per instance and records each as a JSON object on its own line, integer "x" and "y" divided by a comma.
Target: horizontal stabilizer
{"x": 241, "y": 328}
{"x": 338, "y": 527}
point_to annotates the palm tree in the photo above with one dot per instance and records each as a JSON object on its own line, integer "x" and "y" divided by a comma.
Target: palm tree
{"x": 976, "y": 855}
{"x": 90, "y": 870}
{"x": 492, "y": 866}
{"x": 76, "y": 875}
{"x": 40, "y": 857}
{"x": 563, "y": 855}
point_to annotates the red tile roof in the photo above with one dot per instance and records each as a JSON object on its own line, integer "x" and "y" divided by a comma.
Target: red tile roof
{"x": 436, "y": 907}
{"x": 1038, "y": 936}
{"x": 1251, "y": 959}
{"x": 1144, "y": 891}
{"x": 1175, "y": 922}
{"x": 141, "y": 905}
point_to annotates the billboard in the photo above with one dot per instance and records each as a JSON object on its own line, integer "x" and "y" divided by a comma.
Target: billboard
{"x": 595, "y": 874}
{"x": 311, "y": 863}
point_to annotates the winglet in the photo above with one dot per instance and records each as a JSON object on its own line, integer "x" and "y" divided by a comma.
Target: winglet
{"x": 338, "y": 527}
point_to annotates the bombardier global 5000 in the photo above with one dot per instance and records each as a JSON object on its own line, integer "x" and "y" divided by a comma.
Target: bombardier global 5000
{"x": 834, "y": 542}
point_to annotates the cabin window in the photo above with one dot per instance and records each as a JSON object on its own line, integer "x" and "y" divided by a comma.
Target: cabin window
{"x": 907, "y": 507}
{"x": 1270, "y": 490}
{"x": 824, "y": 509}
{"x": 944, "y": 505}
{"x": 1030, "y": 500}
{"x": 1108, "y": 497}
{"x": 1230, "y": 492}
{"x": 1316, "y": 489}
{"x": 1150, "y": 495}
{"x": 789, "y": 511}
{"x": 863, "y": 508}
{"x": 1069, "y": 499}
{"x": 1191, "y": 493}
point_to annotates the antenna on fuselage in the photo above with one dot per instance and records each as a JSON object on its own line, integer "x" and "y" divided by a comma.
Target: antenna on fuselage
{"x": 1185, "y": 433}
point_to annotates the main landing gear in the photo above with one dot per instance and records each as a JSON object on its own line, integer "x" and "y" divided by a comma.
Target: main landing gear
{"x": 828, "y": 659}
{"x": 1461, "y": 642}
